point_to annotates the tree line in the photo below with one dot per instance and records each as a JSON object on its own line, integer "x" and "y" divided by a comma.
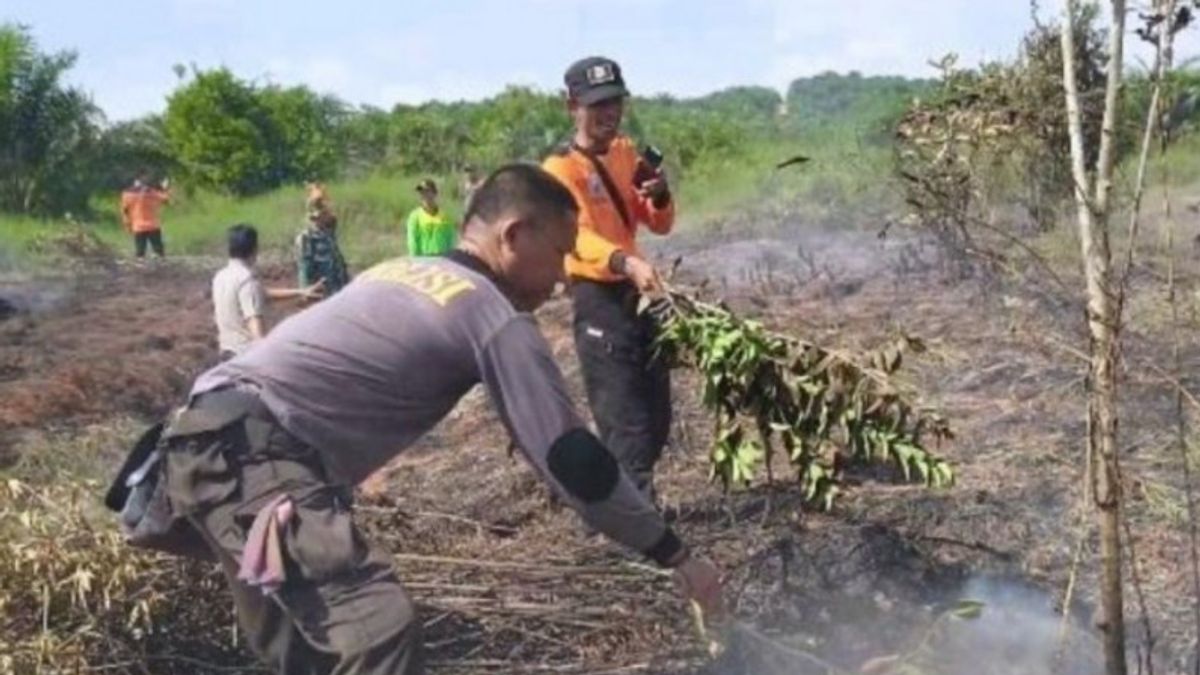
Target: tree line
{"x": 224, "y": 133}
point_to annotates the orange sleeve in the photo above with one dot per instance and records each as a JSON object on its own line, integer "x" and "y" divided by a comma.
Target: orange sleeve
{"x": 660, "y": 221}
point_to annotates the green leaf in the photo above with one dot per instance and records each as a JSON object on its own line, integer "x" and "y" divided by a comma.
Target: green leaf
{"x": 806, "y": 395}
{"x": 945, "y": 474}
{"x": 922, "y": 465}
{"x": 967, "y": 610}
{"x": 831, "y": 493}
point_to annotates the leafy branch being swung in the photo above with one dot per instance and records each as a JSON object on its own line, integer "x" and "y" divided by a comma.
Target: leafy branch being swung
{"x": 823, "y": 407}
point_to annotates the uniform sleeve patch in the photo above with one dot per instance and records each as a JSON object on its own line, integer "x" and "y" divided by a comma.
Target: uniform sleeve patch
{"x": 583, "y": 466}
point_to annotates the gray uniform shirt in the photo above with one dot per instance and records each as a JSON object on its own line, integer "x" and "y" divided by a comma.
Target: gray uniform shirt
{"x": 365, "y": 373}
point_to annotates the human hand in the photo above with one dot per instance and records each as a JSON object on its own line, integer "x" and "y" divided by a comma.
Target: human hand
{"x": 656, "y": 188}
{"x": 315, "y": 291}
{"x": 698, "y": 580}
{"x": 643, "y": 275}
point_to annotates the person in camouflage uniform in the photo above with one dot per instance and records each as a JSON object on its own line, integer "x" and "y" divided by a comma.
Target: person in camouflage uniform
{"x": 317, "y": 252}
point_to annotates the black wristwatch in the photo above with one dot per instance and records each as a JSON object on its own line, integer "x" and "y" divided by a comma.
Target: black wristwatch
{"x": 616, "y": 263}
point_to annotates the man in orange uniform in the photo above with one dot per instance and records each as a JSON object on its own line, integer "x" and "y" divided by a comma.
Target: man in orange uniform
{"x": 629, "y": 390}
{"x": 140, "y": 208}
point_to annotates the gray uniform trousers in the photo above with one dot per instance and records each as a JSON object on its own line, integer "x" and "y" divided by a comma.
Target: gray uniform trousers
{"x": 341, "y": 609}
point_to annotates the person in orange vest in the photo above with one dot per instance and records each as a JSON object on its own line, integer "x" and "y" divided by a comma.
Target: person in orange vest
{"x": 141, "y": 206}
{"x": 618, "y": 191}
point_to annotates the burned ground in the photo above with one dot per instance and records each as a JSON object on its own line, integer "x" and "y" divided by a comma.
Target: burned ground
{"x": 509, "y": 582}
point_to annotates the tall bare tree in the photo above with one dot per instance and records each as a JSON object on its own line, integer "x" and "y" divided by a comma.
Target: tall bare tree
{"x": 1093, "y": 202}
{"x": 1166, "y": 18}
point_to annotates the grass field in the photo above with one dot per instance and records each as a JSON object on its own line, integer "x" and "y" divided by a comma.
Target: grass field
{"x": 843, "y": 176}
{"x": 847, "y": 182}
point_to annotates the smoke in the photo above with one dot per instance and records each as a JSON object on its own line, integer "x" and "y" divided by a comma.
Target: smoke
{"x": 861, "y": 600}
{"x": 1017, "y": 631}
{"x": 30, "y": 297}
{"x": 830, "y": 264}
{"x": 808, "y": 254}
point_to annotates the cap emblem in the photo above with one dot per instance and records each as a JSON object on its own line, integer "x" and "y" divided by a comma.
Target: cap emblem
{"x": 601, "y": 73}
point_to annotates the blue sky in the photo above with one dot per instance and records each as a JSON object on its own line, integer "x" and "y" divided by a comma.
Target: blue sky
{"x": 380, "y": 53}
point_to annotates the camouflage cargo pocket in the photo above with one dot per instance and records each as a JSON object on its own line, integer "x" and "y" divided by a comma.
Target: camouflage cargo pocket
{"x": 197, "y": 470}
{"x": 139, "y": 495}
{"x": 320, "y": 540}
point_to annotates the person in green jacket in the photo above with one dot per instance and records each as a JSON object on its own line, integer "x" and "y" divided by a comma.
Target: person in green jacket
{"x": 430, "y": 231}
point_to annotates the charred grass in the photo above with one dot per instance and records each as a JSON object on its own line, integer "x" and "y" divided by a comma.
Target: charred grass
{"x": 508, "y": 582}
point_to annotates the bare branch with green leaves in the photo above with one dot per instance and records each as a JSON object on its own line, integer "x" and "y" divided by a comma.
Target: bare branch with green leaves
{"x": 823, "y": 407}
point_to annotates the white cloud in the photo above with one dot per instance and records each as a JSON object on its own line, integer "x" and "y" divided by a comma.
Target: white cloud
{"x": 874, "y": 36}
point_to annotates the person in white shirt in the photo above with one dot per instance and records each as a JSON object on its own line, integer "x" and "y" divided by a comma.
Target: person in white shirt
{"x": 240, "y": 299}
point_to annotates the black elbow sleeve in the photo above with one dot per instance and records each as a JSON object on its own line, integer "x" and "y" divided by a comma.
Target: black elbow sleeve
{"x": 584, "y": 467}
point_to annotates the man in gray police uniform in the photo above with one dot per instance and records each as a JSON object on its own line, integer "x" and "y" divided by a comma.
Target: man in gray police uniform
{"x": 262, "y": 461}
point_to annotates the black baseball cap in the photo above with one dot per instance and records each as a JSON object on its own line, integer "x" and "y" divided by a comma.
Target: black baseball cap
{"x": 595, "y": 79}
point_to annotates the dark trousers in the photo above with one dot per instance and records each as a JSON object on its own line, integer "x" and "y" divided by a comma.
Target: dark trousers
{"x": 154, "y": 238}
{"x": 629, "y": 390}
{"x": 341, "y": 610}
